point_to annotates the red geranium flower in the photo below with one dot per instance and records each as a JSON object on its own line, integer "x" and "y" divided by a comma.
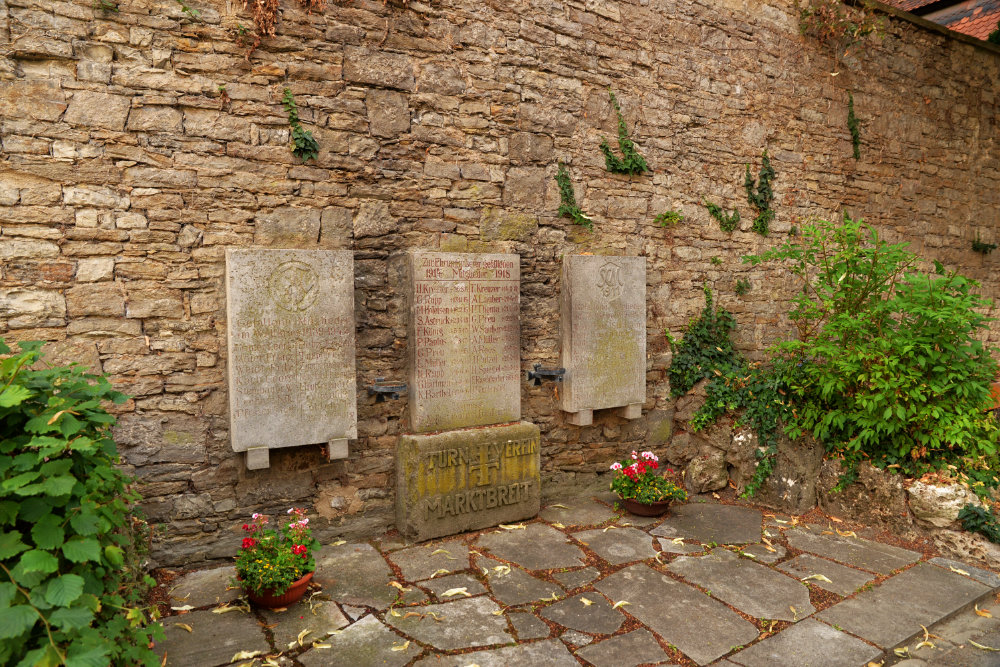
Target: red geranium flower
{"x": 249, "y": 542}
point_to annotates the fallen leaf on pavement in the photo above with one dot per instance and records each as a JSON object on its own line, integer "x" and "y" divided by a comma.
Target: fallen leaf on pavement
{"x": 186, "y": 607}
{"x": 558, "y": 525}
{"x": 560, "y": 505}
{"x": 456, "y": 591}
{"x": 440, "y": 572}
{"x": 401, "y": 647}
{"x": 184, "y": 626}
{"x": 958, "y": 571}
{"x": 985, "y": 613}
{"x": 817, "y": 577}
{"x": 985, "y": 648}
{"x": 246, "y": 655}
{"x": 302, "y": 635}
{"x": 519, "y": 526}
{"x": 620, "y": 603}
{"x": 338, "y": 543}
{"x": 586, "y": 602}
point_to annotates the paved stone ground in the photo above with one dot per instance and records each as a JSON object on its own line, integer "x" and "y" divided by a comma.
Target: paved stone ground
{"x": 712, "y": 584}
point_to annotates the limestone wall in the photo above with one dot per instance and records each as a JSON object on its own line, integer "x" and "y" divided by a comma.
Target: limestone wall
{"x": 125, "y": 174}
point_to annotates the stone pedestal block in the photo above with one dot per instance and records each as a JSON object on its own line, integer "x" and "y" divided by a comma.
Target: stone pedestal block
{"x": 456, "y": 481}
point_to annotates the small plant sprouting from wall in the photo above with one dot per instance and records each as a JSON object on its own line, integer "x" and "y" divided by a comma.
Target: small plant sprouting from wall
{"x": 982, "y": 247}
{"x": 716, "y": 261}
{"x": 305, "y": 146}
{"x": 631, "y": 161}
{"x": 742, "y": 286}
{"x": 854, "y": 127}
{"x": 837, "y": 26}
{"x": 760, "y": 195}
{"x": 568, "y": 206}
{"x": 189, "y": 10}
{"x": 727, "y": 223}
{"x": 669, "y": 218}
{"x": 106, "y": 6}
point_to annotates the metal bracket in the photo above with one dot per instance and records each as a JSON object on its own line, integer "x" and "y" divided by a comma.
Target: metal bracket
{"x": 383, "y": 390}
{"x": 540, "y": 375}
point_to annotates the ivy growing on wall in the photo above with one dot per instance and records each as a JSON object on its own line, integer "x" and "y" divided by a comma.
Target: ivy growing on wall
{"x": 568, "y": 206}
{"x": 631, "y": 161}
{"x": 727, "y": 222}
{"x": 305, "y": 146}
{"x": 853, "y": 126}
{"x": 982, "y": 247}
{"x": 760, "y": 195}
{"x": 669, "y": 218}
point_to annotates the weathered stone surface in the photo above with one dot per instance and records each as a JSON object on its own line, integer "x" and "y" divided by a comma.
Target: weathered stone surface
{"x": 320, "y": 619}
{"x": 880, "y": 558}
{"x": 465, "y": 623}
{"x": 938, "y": 505}
{"x": 603, "y": 326}
{"x": 537, "y": 547}
{"x": 528, "y": 626}
{"x": 702, "y": 628}
{"x": 967, "y": 546}
{"x": 887, "y": 615}
{"x": 638, "y": 647}
{"x": 576, "y": 578}
{"x": 792, "y": 486}
{"x": 843, "y": 580}
{"x": 575, "y": 613}
{"x": 365, "y": 642}
{"x": 390, "y": 70}
{"x": 991, "y": 579}
{"x": 388, "y": 113}
{"x": 668, "y": 545}
{"x": 551, "y": 652}
{"x": 762, "y": 554}
{"x": 754, "y": 589}
{"x": 97, "y": 110}
{"x": 355, "y": 574}
{"x": 439, "y": 585}
{"x": 581, "y": 512}
{"x": 512, "y": 586}
{"x": 213, "y": 640}
{"x": 876, "y": 497}
{"x": 621, "y": 545}
{"x": 464, "y": 340}
{"x": 291, "y": 347}
{"x": 465, "y": 480}
{"x": 288, "y": 227}
{"x": 422, "y": 562}
{"x": 707, "y": 472}
{"x": 204, "y": 587}
{"x": 808, "y": 644}
{"x": 373, "y": 219}
{"x": 32, "y": 307}
{"x": 708, "y": 522}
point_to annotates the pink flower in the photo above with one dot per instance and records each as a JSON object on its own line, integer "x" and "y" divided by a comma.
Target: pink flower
{"x": 255, "y": 515}
{"x": 635, "y": 455}
{"x": 650, "y": 456}
{"x": 616, "y": 466}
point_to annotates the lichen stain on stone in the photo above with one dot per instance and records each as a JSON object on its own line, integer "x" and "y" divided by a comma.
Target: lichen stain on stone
{"x": 178, "y": 438}
{"x": 499, "y": 225}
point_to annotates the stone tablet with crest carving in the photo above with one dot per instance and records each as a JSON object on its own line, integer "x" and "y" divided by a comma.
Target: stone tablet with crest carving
{"x": 603, "y": 323}
{"x": 464, "y": 340}
{"x": 290, "y": 327}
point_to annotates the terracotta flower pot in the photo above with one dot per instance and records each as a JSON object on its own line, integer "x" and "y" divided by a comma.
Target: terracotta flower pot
{"x": 658, "y": 508}
{"x": 294, "y": 593}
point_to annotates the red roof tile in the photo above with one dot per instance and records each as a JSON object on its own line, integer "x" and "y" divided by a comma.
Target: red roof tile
{"x": 909, "y": 5}
{"x": 976, "y": 18}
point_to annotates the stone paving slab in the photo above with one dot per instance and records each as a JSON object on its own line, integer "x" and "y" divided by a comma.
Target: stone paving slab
{"x": 214, "y": 638}
{"x": 528, "y": 626}
{"x": 752, "y": 588}
{"x": 808, "y": 644}
{"x": 321, "y": 620}
{"x": 464, "y": 623}
{"x": 578, "y": 512}
{"x": 843, "y": 580}
{"x": 893, "y": 612}
{"x": 366, "y": 642}
{"x": 418, "y": 563}
{"x": 710, "y": 522}
{"x": 536, "y": 547}
{"x": 205, "y": 587}
{"x": 440, "y": 585}
{"x": 575, "y": 613}
{"x": 951, "y": 642}
{"x": 513, "y": 586}
{"x": 549, "y": 653}
{"x": 879, "y": 558}
{"x": 762, "y": 554}
{"x": 668, "y": 545}
{"x": 638, "y": 647}
{"x": 355, "y": 574}
{"x": 991, "y": 579}
{"x": 575, "y": 639}
{"x": 702, "y": 628}
{"x": 619, "y": 545}
{"x": 576, "y": 578}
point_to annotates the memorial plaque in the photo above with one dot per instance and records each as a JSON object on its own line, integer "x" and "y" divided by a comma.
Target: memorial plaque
{"x": 447, "y": 483}
{"x": 464, "y": 340}
{"x": 290, "y": 327}
{"x": 603, "y": 322}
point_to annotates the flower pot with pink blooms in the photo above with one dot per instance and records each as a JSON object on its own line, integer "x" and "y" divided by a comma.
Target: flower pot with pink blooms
{"x": 643, "y": 490}
{"x": 276, "y": 562}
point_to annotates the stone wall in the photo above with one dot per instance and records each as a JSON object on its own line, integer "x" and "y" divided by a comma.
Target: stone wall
{"x": 125, "y": 174}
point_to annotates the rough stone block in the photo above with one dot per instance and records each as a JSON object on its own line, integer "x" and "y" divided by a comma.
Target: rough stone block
{"x": 373, "y": 219}
{"x": 32, "y": 307}
{"x": 456, "y": 481}
{"x": 145, "y": 303}
{"x": 37, "y": 100}
{"x": 98, "y": 110}
{"x": 378, "y": 68}
{"x": 103, "y": 299}
{"x": 388, "y": 113}
{"x": 288, "y": 226}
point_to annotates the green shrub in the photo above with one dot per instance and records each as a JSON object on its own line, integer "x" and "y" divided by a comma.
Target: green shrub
{"x": 980, "y": 520}
{"x": 71, "y": 577}
{"x": 705, "y": 351}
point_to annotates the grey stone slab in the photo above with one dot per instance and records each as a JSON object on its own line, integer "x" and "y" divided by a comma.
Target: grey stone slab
{"x": 366, "y": 642}
{"x": 894, "y": 611}
{"x": 636, "y": 521}
{"x": 439, "y": 585}
{"x": 880, "y": 558}
{"x": 576, "y": 578}
{"x": 638, "y": 647}
{"x": 214, "y": 638}
{"x": 455, "y": 481}
{"x": 354, "y": 613}
{"x": 991, "y": 579}
{"x": 578, "y": 512}
{"x": 843, "y": 580}
{"x": 603, "y": 327}
{"x": 536, "y": 547}
{"x": 464, "y": 340}
{"x": 412, "y": 595}
{"x": 549, "y": 653}
{"x": 574, "y": 639}
{"x": 709, "y": 522}
{"x": 762, "y": 554}
{"x": 752, "y": 588}
{"x": 320, "y": 619}
{"x": 464, "y": 623}
{"x": 513, "y": 586}
{"x": 205, "y": 587}
{"x": 417, "y": 563}
{"x": 290, "y": 326}
{"x": 808, "y": 644}
{"x": 575, "y": 613}
{"x": 952, "y": 647}
{"x": 700, "y": 627}
{"x": 670, "y": 546}
{"x": 355, "y": 574}
{"x": 528, "y": 626}
{"x": 618, "y": 545}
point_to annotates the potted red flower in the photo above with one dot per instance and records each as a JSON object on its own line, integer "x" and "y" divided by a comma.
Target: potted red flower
{"x": 643, "y": 491}
{"x": 275, "y": 565}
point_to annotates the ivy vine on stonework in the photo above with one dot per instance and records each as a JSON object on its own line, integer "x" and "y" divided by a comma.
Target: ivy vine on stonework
{"x": 304, "y": 146}
{"x": 760, "y": 195}
{"x": 854, "y": 127}
{"x": 568, "y": 206}
{"x": 631, "y": 161}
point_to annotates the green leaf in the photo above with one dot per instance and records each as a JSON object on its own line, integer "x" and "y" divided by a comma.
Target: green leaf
{"x": 14, "y": 395}
{"x": 71, "y": 618}
{"x": 59, "y": 486}
{"x": 86, "y": 656}
{"x": 14, "y": 621}
{"x": 63, "y": 590}
{"x": 114, "y": 554}
{"x": 37, "y": 560}
{"x": 85, "y": 523}
{"x": 8, "y": 511}
{"x": 7, "y": 592}
{"x": 48, "y": 533}
{"x": 82, "y": 549}
{"x": 11, "y": 544}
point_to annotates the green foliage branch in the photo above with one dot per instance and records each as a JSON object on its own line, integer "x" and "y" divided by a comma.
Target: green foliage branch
{"x": 706, "y": 349}
{"x": 305, "y": 146}
{"x": 837, "y": 26}
{"x": 854, "y": 127}
{"x": 669, "y": 218}
{"x": 631, "y": 161}
{"x": 760, "y": 195}
{"x": 567, "y": 206}
{"x": 994, "y": 37}
{"x": 71, "y": 547}
{"x": 982, "y": 247}
{"x": 982, "y": 520}
{"x": 742, "y": 286}
{"x": 727, "y": 222}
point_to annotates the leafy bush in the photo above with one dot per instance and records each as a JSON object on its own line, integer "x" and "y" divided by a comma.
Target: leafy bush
{"x": 705, "y": 351}
{"x": 980, "y": 520}
{"x": 71, "y": 578}
{"x": 887, "y": 367}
